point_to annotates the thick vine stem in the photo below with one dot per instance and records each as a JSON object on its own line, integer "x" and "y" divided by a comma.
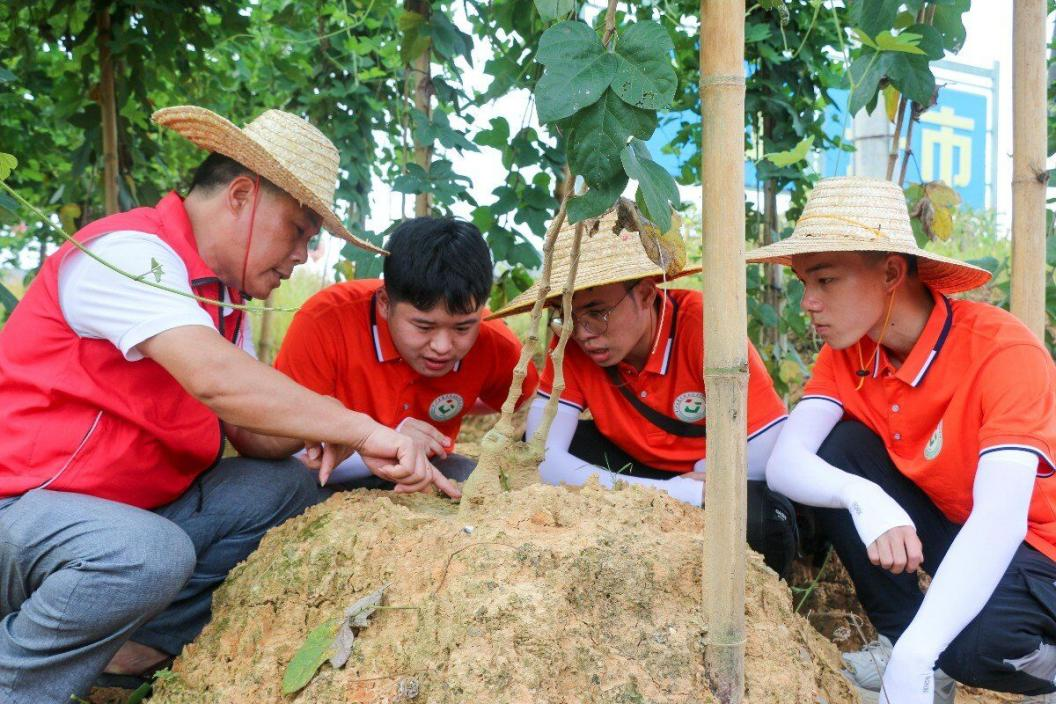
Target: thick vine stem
{"x": 557, "y": 357}
{"x": 497, "y": 446}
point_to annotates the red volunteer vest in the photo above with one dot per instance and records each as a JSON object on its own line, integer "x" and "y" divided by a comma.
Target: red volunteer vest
{"x": 77, "y": 416}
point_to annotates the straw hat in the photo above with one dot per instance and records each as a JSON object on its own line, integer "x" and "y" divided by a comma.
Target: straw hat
{"x": 855, "y": 214}
{"x": 609, "y": 256}
{"x": 281, "y": 147}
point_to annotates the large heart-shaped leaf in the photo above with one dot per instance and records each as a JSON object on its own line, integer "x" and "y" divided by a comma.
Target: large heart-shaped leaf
{"x": 597, "y": 200}
{"x": 578, "y": 70}
{"x": 600, "y": 131}
{"x": 658, "y": 189}
{"x": 644, "y": 77}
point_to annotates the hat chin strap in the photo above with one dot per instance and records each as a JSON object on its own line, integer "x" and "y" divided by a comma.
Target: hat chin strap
{"x": 249, "y": 239}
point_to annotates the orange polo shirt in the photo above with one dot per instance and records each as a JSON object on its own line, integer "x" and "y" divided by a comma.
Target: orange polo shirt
{"x": 976, "y": 381}
{"x": 671, "y": 382}
{"x": 338, "y": 346}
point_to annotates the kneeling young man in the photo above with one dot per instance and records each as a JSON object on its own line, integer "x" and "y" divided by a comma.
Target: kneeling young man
{"x": 927, "y": 435}
{"x": 411, "y": 351}
{"x": 637, "y": 366}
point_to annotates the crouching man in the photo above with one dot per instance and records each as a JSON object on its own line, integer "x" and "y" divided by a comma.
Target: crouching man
{"x": 412, "y": 350}
{"x": 118, "y": 518}
{"x": 926, "y": 437}
{"x": 637, "y": 367}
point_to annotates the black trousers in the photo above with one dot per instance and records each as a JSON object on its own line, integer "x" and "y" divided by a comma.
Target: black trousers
{"x": 1010, "y": 646}
{"x": 772, "y": 529}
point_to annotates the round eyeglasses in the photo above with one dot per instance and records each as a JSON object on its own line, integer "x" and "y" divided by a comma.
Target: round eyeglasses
{"x": 594, "y": 322}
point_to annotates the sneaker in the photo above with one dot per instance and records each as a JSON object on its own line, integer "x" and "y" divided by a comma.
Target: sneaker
{"x": 865, "y": 670}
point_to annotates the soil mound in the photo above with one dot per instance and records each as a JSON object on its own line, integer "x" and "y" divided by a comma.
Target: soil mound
{"x": 551, "y": 595}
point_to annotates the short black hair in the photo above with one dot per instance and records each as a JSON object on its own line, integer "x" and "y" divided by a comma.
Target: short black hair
{"x": 433, "y": 259}
{"x": 218, "y": 170}
{"x": 877, "y": 257}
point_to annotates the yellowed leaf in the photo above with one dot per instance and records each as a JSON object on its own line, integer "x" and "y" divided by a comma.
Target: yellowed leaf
{"x": 942, "y": 224}
{"x": 68, "y": 214}
{"x": 790, "y": 371}
{"x": 891, "y": 96}
{"x": 941, "y": 195}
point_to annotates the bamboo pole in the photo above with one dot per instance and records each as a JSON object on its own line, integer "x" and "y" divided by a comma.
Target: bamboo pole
{"x": 108, "y": 108}
{"x": 420, "y": 80}
{"x": 726, "y": 354}
{"x": 1028, "y": 163}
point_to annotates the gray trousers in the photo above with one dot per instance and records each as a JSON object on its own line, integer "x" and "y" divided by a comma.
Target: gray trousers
{"x": 80, "y": 575}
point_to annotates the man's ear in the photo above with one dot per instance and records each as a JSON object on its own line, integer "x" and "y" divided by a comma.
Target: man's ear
{"x": 896, "y": 269}
{"x": 645, "y": 290}
{"x": 383, "y": 303}
{"x": 238, "y": 196}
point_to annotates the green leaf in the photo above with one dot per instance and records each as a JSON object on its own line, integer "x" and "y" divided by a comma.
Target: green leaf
{"x": 865, "y": 74}
{"x": 7, "y": 300}
{"x": 644, "y": 77}
{"x": 7, "y": 76}
{"x": 949, "y": 21}
{"x": 657, "y": 187}
{"x": 600, "y": 131}
{"x": 796, "y": 154}
{"x": 864, "y": 38}
{"x": 930, "y": 41}
{"x": 415, "y": 180}
{"x": 310, "y": 656}
{"x": 874, "y": 15}
{"x": 578, "y": 70}
{"x": 905, "y": 42}
{"x": 912, "y": 76}
{"x": 8, "y": 163}
{"x": 497, "y": 136}
{"x": 553, "y": 9}
{"x": 448, "y": 40}
{"x": 597, "y": 200}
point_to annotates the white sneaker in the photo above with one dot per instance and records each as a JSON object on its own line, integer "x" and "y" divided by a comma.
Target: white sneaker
{"x": 865, "y": 670}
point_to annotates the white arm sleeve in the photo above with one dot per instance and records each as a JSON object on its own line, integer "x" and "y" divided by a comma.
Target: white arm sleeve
{"x": 971, "y": 570}
{"x": 796, "y": 471}
{"x": 760, "y": 448}
{"x": 102, "y": 304}
{"x": 561, "y": 467}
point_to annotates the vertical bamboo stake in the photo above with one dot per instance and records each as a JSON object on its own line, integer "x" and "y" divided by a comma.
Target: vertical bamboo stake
{"x": 108, "y": 107}
{"x": 1028, "y": 164}
{"x": 726, "y": 354}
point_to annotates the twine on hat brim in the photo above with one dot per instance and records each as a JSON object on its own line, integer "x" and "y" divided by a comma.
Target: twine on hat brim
{"x": 214, "y": 133}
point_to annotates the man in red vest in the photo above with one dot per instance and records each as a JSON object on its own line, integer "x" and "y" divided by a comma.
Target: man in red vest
{"x": 118, "y": 384}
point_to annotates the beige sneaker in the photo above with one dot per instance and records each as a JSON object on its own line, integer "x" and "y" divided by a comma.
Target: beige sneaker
{"x": 865, "y": 670}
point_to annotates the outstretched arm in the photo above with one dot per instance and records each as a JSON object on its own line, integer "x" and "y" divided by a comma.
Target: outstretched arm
{"x": 968, "y": 575}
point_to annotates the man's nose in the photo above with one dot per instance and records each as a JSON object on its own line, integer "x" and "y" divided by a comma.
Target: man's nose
{"x": 440, "y": 342}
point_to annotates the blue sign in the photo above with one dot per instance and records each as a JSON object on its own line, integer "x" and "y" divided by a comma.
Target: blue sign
{"x": 949, "y": 143}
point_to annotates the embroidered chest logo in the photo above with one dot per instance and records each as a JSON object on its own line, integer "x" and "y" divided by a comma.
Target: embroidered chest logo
{"x": 445, "y": 407}
{"x": 934, "y": 446}
{"x": 689, "y": 407}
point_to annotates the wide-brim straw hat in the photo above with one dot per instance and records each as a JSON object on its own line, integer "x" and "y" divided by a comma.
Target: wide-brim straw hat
{"x": 283, "y": 148}
{"x": 857, "y": 214}
{"x": 610, "y": 256}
